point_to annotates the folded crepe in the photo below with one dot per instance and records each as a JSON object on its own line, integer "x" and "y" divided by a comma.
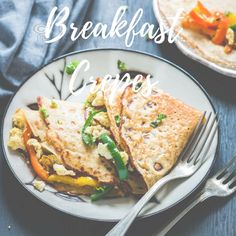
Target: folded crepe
{"x": 113, "y": 103}
{"x": 64, "y": 133}
{"x": 154, "y": 150}
{"x": 59, "y": 133}
{"x": 195, "y": 41}
{"x": 148, "y": 151}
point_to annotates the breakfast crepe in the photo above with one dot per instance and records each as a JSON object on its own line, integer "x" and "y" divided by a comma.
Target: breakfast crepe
{"x": 197, "y": 42}
{"x": 39, "y": 129}
{"x": 64, "y": 133}
{"x": 155, "y": 150}
{"x": 113, "y": 103}
{"x": 114, "y": 107}
{"x": 56, "y": 136}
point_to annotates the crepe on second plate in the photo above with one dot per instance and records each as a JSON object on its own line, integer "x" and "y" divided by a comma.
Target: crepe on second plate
{"x": 195, "y": 41}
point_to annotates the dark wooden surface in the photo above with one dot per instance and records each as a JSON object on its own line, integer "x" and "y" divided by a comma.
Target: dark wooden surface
{"x": 27, "y": 216}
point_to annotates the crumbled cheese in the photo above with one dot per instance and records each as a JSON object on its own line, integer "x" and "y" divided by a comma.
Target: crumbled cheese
{"x": 16, "y": 139}
{"x": 36, "y": 145}
{"x": 103, "y": 119}
{"x": 90, "y": 97}
{"x": 130, "y": 168}
{"x": 99, "y": 99}
{"x": 96, "y": 130}
{"x": 39, "y": 185}
{"x": 230, "y": 36}
{"x": 18, "y": 119}
{"x": 61, "y": 170}
{"x": 124, "y": 157}
{"x": 103, "y": 151}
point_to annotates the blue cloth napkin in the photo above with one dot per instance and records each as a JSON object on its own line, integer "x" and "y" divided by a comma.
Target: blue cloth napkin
{"x": 22, "y": 43}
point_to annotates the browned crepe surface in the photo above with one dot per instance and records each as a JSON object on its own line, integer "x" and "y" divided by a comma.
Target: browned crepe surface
{"x": 154, "y": 151}
{"x": 64, "y": 125}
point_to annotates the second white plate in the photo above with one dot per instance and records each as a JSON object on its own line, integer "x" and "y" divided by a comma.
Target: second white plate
{"x": 190, "y": 53}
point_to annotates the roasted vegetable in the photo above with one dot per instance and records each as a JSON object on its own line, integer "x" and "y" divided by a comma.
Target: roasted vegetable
{"x": 100, "y": 192}
{"x": 38, "y": 168}
{"x": 119, "y": 163}
{"x": 70, "y": 68}
{"x": 203, "y": 16}
{"x": 121, "y": 66}
{"x": 213, "y": 24}
{"x": 231, "y": 17}
{"x": 221, "y": 31}
{"x": 75, "y": 182}
{"x": 88, "y": 138}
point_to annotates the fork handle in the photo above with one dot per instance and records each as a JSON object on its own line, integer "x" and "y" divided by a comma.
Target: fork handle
{"x": 120, "y": 228}
{"x": 202, "y": 196}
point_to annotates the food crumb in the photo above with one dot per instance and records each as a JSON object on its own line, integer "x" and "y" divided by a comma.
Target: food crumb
{"x": 39, "y": 185}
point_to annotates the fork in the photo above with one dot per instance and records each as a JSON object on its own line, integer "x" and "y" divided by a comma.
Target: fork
{"x": 222, "y": 184}
{"x": 189, "y": 162}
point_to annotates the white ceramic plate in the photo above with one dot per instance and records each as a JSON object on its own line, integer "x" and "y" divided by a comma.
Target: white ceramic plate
{"x": 190, "y": 53}
{"x": 50, "y": 81}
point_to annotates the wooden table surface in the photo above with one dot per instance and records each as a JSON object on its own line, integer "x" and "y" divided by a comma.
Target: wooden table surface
{"x": 22, "y": 214}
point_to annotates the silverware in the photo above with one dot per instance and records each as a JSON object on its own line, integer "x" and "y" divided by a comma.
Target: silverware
{"x": 189, "y": 162}
{"x": 222, "y": 184}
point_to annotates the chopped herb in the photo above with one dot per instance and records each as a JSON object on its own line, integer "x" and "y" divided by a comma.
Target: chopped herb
{"x": 158, "y": 121}
{"x": 233, "y": 27}
{"x": 44, "y": 112}
{"x": 161, "y": 117}
{"x": 121, "y": 66}
{"x": 100, "y": 192}
{"x": 70, "y": 68}
{"x": 59, "y": 122}
{"x": 53, "y": 104}
{"x": 138, "y": 86}
{"x": 154, "y": 124}
{"x": 117, "y": 119}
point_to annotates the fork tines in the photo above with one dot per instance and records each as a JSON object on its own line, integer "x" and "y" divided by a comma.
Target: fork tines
{"x": 227, "y": 175}
{"x": 199, "y": 144}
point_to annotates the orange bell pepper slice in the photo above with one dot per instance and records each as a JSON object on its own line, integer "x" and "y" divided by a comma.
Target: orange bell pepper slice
{"x": 201, "y": 19}
{"x": 39, "y": 170}
{"x": 189, "y": 23}
{"x": 201, "y": 8}
{"x": 202, "y": 16}
{"x": 221, "y": 31}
